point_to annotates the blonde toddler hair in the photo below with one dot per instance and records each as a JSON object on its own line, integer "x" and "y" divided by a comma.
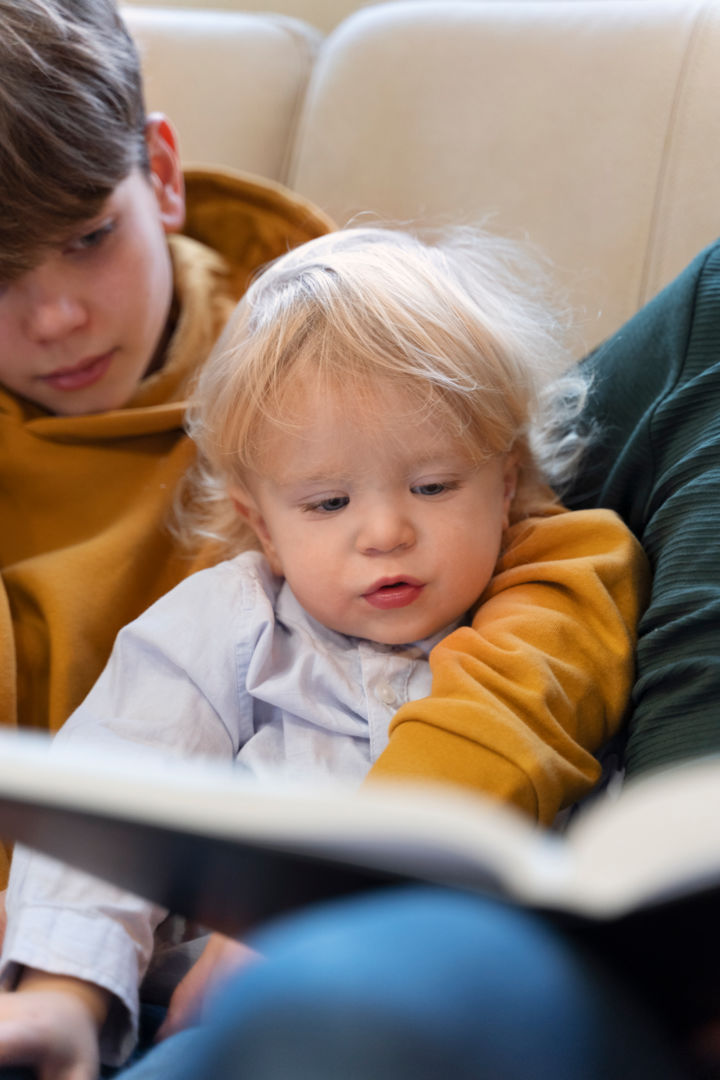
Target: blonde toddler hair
{"x": 461, "y": 323}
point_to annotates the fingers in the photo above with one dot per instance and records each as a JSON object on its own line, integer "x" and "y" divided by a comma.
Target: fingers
{"x": 185, "y": 1003}
{"x": 52, "y": 1032}
{"x": 220, "y": 959}
{"x": 19, "y": 1041}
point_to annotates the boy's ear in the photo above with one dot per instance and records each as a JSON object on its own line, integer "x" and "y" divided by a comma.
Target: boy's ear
{"x": 247, "y": 508}
{"x": 165, "y": 171}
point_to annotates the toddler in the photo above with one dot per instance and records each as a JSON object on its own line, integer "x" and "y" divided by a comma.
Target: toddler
{"x": 379, "y": 412}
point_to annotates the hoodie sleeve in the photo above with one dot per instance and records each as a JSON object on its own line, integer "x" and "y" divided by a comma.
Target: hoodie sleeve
{"x": 523, "y": 697}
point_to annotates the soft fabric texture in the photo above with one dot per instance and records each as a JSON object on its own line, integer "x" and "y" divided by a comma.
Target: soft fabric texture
{"x": 524, "y": 697}
{"x": 228, "y": 664}
{"x": 657, "y": 401}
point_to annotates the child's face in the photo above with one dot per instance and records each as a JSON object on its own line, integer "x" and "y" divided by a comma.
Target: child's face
{"x": 384, "y": 529}
{"x": 79, "y": 331}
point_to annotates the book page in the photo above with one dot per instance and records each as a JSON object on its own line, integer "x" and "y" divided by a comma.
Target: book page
{"x": 149, "y": 822}
{"x": 202, "y": 839}
{"x": 659, "y": 839}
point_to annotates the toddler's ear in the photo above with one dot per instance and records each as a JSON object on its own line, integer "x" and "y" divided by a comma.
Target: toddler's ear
{"x": 510, "y": 482}
{"x": 165, "y": 171}
{"x": 247, "y": 507}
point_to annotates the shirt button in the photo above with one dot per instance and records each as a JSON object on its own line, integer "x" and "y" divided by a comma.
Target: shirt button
{"x": 386, "y": 694}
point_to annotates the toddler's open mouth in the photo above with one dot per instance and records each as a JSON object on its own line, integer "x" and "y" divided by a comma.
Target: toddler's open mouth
{"x": 393, "y": 593}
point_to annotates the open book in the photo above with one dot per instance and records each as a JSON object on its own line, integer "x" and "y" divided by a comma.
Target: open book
{"x": 204, "y": 841}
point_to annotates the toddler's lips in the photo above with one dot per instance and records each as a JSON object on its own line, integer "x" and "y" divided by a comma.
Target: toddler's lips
{"x": 84, "y": 374}
{"x": 395, "y": 593}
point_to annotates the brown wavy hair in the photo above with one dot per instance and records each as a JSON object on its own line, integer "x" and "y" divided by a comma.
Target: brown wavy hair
{"x": 72, "y": 120}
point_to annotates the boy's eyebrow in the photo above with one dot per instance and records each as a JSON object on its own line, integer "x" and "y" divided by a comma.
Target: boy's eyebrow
{"x": 82, "y": 228}
{"x": 84, "y": 225}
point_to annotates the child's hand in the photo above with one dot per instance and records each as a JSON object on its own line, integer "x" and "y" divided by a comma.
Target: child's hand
{"x": 220, "y": 959}
{"x": 51, "y": 1023}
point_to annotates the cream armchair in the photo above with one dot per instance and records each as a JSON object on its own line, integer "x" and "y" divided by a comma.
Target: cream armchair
{"x": 590, "y": 126}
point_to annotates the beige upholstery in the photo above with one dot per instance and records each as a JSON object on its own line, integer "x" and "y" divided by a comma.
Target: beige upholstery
{"x": 324, "y": 14}
{"x": 233, "y": 83}
{"x": 591, "y": 126}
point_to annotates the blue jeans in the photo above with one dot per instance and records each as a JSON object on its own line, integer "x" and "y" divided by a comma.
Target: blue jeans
{"x": 420, "y": 983}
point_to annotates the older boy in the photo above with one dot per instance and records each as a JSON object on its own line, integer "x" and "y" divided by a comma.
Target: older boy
{"x": 103, "y": 321}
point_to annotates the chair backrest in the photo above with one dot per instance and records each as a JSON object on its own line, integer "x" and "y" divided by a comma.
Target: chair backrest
{"x": 591, "y": 127}
{"x": 323, "y": 14}
{"x": 233, "y": 83}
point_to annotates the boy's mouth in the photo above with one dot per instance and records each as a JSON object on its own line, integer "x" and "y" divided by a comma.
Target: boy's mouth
{"x": 81, "y": 375}
{"x": 393, "y": 592}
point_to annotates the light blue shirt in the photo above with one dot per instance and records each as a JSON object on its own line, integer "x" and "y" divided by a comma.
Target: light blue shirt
{"x": 227, "y": 664}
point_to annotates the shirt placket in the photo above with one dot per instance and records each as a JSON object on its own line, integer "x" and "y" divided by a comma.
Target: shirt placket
{"x": 385, "y": 678}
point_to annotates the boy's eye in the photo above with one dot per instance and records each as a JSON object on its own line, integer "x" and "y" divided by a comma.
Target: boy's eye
{"x": 329, "y": 506}
{"x": 92, "y": 239}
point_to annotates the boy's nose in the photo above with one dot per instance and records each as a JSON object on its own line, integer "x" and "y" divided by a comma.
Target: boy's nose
{"x": 384, "y": 532}
{"x": 52, "y": 308}
{"x": 52, "y": 318}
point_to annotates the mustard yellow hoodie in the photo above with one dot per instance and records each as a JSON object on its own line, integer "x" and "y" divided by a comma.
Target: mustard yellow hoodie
{"x": 84, "y": 500}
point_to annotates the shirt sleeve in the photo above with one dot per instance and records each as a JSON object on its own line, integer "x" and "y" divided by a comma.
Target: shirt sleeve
{"x": 170, "y": 685}
{"x": 523, "y": 697}
{"x": 68, "y": 923}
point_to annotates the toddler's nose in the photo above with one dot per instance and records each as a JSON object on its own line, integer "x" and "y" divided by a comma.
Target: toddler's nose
{"x": 385, "y": 531}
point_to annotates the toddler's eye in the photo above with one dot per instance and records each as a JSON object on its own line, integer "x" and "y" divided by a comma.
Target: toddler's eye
{"x": 329, "y": 506}
{"x": 433, "y": 489}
